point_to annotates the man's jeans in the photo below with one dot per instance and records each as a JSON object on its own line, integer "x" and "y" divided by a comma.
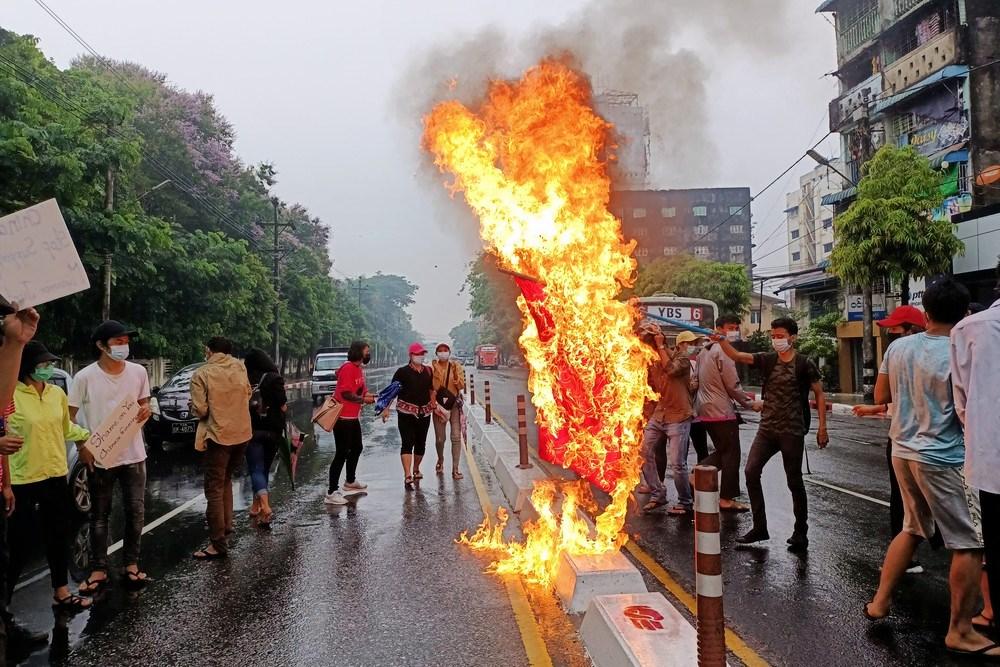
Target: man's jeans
{"x": 221, "y": 461}
{"x": 132, "y": 481}
{"x": 678, "y": 440}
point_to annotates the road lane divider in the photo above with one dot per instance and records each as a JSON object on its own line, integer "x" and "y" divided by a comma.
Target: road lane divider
{"x": 117, "y": 546}
{"x": 833, "y": 487}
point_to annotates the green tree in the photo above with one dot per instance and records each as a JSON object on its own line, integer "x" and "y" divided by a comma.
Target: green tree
{"x": 728, "y": 285}
{"x": 465, "y": 336}
{"x": 493, "y": 301}
{"x": 888, "y": 233}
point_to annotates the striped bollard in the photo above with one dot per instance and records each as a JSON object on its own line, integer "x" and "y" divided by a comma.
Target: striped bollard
{"x": 472, "y": 389}
{"x": 486, "y": 403}
{"x": 522, "y": 433}
{"x": 708, "y": 566}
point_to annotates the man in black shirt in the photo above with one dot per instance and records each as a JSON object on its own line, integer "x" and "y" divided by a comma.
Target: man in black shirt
{"x": 787, "y": 378}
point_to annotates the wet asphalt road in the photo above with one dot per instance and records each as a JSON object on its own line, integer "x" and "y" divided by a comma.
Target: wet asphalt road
{"x": 808, "y": 610}
{"x": 377, "y": 582}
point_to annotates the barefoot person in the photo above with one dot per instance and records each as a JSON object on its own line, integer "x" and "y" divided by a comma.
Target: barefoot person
{"x": 414, "y": 406}
{"x": 95, "y": 394}
{"x": 928, "y": 452}
{"x": 351, "y": 393}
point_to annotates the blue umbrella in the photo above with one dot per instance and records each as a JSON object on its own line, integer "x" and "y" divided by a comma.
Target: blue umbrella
{"x": 681, "y": 325}
{"x": 386, "y": 396}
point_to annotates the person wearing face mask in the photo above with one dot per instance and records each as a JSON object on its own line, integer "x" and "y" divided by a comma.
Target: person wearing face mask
{"x": 670, "y": 420}
{"x": 414, "y": 406}
{"x": 38, "y": 474}
{"x": 94, "y": 395}
{"x": 785, "y": 416}
{"x": 352, "y": 394}
{"x": 449, "y": 382}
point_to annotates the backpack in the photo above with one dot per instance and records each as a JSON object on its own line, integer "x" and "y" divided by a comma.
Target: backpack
{"x": 258, "y": 408}
{"x": 802, "y": 363}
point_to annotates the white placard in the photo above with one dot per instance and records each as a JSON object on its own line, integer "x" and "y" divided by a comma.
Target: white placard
{"x": 38, "y": 261}
{"x": 115, "y": 435}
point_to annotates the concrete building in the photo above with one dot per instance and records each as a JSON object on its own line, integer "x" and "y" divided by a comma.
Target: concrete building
{"x": 809, "y": 222}
{"x": 764, "y": 309}
{"x": 630, "y": 168}
{"x": 711, "y": 223}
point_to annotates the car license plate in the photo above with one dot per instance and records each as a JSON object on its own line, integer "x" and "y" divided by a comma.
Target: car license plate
{"x": 179, "y": 429}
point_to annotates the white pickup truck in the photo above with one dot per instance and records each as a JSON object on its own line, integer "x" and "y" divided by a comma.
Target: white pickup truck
{"x": 324, "y": 376}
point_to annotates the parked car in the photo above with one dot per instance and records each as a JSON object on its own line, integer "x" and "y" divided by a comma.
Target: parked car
{"x": 172, "y": 419}
{"x": 79, "y": 491}
{"x": 324, "y": 377}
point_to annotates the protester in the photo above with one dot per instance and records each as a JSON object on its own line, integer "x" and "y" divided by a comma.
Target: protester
{"x": 449, "y": 382}
{"x": 928, "y": 454}
{"x": 975, "y": 369}
{"x": 671, "y": 419}
{"x": 16, "y": 329}
{"x": 220, "y": 391}
{"x": 787, "y": 378}
{"x": 656, "y": 378}
{"x": 268, "y": 404}
{"x": 352, "y": 394}
{"x": 414, "y": 405}
{"x": 718, "y": 389}
{"x": 96, "y": 392}
{"x": 699, "y": 435}
{"x": 38, "y": 473}
{"x": 903, "y": 321}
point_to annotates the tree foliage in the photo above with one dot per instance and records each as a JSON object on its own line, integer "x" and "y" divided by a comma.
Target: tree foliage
{"x": 728, "y": 285}
{"x": 493, "y": 301}
{"x": 888, "y": 231}
{"x": 819, "y": 340}
{"x": 465, "y": 336}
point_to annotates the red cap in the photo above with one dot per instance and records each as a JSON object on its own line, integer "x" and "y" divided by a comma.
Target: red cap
{"x": 417, "y": 348}
{"x": 904, "y": 315}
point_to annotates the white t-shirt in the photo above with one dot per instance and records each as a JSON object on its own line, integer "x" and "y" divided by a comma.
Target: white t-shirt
{"x": 96, "y": 394}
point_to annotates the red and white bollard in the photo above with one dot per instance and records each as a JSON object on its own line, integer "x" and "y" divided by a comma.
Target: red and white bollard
{"x": 486, "y": 404}
{"x": 708, "y": 566}
{"x": 472, "y": 389}
{"x": 522, "y": 433}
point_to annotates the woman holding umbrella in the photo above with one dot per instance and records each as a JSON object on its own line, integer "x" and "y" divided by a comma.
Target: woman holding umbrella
{"x": 414, "y": 405}
{"x": 352, "y": 394}
{"x": 268, "y": 405}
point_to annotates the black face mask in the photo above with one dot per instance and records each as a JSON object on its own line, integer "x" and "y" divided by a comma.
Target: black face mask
{"x": 365, "y": 359}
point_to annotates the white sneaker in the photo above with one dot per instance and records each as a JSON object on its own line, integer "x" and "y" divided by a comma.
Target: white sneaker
{"x": 915, "y": 568}
{"x": 355, "y": 485}
{"x": 335, "y": 498}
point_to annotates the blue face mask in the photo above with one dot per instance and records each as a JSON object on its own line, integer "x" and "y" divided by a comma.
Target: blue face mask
{"x": 43, "y": 374}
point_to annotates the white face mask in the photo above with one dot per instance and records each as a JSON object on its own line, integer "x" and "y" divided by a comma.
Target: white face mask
{"x": 691, "y": 351}
{"x": 118, "y": 352}
{"x": 417, "y": 359}
{"x": 444, "y": 356}
{"x": 780, "y": 344}
{"x": 733, "y": 336}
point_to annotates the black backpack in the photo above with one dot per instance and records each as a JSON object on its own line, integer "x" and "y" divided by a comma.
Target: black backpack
{"x": 767, "y": 365}
{"x": 258, "y": 407}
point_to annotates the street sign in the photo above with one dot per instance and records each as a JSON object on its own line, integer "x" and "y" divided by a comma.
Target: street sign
{"x": 855, "y": 307}
{"x": 38, "y": 261}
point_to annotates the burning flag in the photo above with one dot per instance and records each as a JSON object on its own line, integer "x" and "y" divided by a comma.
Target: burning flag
{"x": 529, "y": 163}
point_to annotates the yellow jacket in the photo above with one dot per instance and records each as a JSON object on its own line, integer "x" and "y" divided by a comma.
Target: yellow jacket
{"x": 44, "y": 423}
{"x": 220, "y": 397}
{"x": 456, "y": 380}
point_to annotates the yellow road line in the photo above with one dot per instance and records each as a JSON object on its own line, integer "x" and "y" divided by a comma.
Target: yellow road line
{"x": 734, "y": 643}
{"x": 531, "y": 637}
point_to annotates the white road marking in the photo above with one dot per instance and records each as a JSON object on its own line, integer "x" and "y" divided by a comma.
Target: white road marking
{"x": 119, "y": 544}
{"x": 847, "y": 491}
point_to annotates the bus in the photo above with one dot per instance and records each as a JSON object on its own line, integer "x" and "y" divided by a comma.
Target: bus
{"x": 696, "y": 312}
{"x": 487, "y": 356}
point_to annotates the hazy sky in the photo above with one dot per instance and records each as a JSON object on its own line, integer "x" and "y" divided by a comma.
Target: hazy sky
{"x": 327, "y": 91}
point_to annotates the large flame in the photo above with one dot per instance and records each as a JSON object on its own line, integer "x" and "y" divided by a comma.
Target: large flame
{"x": 530, "y": 164}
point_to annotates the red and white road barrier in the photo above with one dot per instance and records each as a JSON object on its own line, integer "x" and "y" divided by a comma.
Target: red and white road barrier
{"x": 472, "y": 389}
{"x": 486, "y": 402}
{"x": 522, "y": 433}
{"x": 708, "y": 566}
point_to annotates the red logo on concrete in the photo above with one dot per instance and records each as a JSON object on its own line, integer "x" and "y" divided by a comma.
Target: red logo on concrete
{"x": 643, "y": 617}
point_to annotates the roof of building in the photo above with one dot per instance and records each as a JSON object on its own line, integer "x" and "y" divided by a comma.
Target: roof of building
{"x": 826, "y": 6}
{"x": 817, "y": 278}
{"x": 837, "y": 197}
{"x": 949, "y": 72}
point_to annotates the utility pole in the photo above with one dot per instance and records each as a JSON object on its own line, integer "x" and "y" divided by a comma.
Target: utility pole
{"x": 277, "y": 251}
{"x": 109, "y": 208}
{"x": 360, "y": 289}
{"x": 867, "y": 328}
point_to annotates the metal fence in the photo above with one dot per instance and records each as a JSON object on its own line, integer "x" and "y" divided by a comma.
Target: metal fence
{"x": 860, "y": 30}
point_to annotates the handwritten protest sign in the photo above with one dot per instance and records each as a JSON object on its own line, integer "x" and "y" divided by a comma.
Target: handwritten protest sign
{"x": 111, "y": 440}
{"x": 38, "y": 261}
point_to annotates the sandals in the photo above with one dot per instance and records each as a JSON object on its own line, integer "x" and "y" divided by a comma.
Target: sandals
{"x": 205, "y": 554}
{"x": 988, "y": 622}
{"x": 91, "y": 586}
{"x": 408, "y": 482}
{"x": 978, "y": 653}
{"x": 71, "y": 603}
{"x": 679, "y": 510}
{"x": 652, "y": 505}
{"x": 457, "y": 475}
{"x": 138, "y": 578}
{"x": 439, "y": 468}
{"x": 418, "y": 475}
{"x": 735, "y": 508}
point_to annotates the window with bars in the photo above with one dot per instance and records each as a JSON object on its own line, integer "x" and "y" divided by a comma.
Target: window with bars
{"x": 903, "y": 124}
{"x": 642, "y": 252}
{"x": 670, "y": 212}
{"x": 827, "y": 248}
{"x": 964, "y": 182}
{"x": 669, "y": 251}
{"x": 701, "y": 230}
{"x": 700, "y": 211}
{"x": 794, "y": 233}
{"x": 701, "y": 251}
{"x": 796, "y": 256}
{"x": 735, "y": 210}
{"x": 736, "y": 229}
{"x": 640, "y": 232}
{"x": 754, "y": 317}
{"x": 638, "y": 213}
{"x": 828, "y": 223}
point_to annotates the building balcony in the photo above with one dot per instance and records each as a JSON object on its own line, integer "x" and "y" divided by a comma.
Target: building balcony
{"x": 859, "y": 32}
{"x": 901, "y": 7}
{"x": 920, "y": 63}
{"x": 844, "y": 108}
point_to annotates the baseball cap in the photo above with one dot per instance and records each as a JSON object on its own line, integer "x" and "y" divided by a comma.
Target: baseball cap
{"x": 904, "y": 315}
{"x": 417, "y": 348}
{"x": 110, "y": 329}
{"x": 648, "y": 328}
{"x": 687, "y": 337}
{"x": 441, "y": 346}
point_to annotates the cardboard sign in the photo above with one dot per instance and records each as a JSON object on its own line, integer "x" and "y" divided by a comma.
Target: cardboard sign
{"x": 111, "y": 441}
{"x": 38, "y": 261}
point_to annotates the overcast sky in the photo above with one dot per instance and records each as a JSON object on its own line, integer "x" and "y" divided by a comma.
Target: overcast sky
{"x": 320, "y": 88}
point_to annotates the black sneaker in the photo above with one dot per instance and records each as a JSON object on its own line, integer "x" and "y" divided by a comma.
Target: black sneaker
{"x": 798, "y": 544}
{"x": 754, "y": 535}
{"x": 18, "y": 634}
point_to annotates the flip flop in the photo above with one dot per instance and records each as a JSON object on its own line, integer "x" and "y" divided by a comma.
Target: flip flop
{"x": 137, "y": 579}
{"x": 870, "y": 616}
{"x": 988, "y": 625}
{"x": 202, "y": 554}
{"x": 735, "y": 508}
{"x": 652, "y": 506}
{"x": 408, "y": 482}
{"x": 679, "y": 510}
{"x": 71, "y": 603}
{"x": 978, "y": 653}
{"x": 457, "y": 475}
{"x": 418, "y": 475}
{"x": 94, "y": 586}
{"x": 439, "y": 468}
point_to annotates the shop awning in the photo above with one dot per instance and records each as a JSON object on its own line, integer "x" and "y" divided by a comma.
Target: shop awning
{"x": 951, "y": 155}
{"x": 826, "y": 6}
{"x": 817, "y": 278}
{"x": 837, "y": 197}
{"x": 949, "y": 72}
